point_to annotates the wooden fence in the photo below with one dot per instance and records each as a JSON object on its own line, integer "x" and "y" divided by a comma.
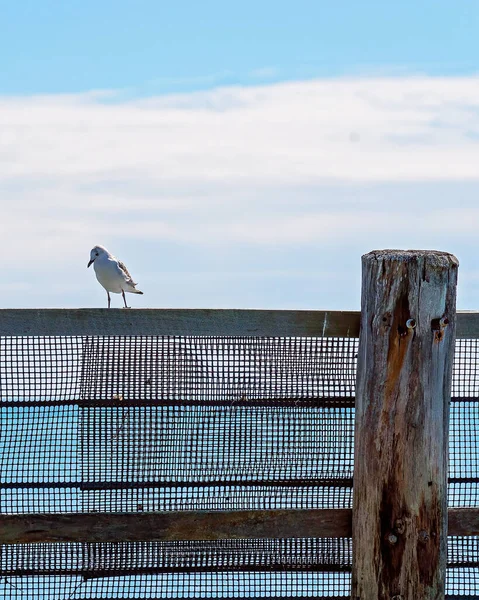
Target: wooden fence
{"x": 399, "y": 521}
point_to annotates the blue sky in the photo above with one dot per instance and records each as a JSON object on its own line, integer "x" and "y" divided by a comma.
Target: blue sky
{"x": 151, "y": 46}
{"x": 234, "y": 154}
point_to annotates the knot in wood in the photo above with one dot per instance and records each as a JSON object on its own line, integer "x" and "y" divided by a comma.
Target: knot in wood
{"x": 411, "y": 323}
{"x": 400, "y": 526}
{"x": 423, "y": 536}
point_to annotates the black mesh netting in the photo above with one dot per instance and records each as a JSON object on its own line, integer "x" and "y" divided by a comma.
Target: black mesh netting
{"x": 126, "y": 424}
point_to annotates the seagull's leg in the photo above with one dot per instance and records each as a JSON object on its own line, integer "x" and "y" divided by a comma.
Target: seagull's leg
{"x": 124, "y": 299}
{"x": 109, "y": 299}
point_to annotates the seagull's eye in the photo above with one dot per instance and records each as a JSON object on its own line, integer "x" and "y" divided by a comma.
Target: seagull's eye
{"x": 96, "y": 253}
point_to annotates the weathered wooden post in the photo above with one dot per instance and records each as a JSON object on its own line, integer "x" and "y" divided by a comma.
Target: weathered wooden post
{"x": 406, "y": 348}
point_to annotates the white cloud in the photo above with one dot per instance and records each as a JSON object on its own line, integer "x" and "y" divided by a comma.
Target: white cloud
{"x": 338, "y": 165}
{"x": 402, "y": 129}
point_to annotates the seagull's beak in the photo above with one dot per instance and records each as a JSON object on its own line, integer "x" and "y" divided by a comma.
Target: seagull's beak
{"x": 92, "y": 260}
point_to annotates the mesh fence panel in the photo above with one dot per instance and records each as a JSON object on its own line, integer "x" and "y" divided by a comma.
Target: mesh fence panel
{"x": 127, "y": 424}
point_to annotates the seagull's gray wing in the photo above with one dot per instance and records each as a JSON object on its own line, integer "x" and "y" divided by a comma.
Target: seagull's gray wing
{"x": 129, "y": 278}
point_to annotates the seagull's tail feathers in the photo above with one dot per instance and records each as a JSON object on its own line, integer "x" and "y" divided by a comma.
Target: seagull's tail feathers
{"x": 132, "y": 289}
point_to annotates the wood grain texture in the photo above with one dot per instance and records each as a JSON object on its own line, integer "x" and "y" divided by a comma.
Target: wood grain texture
{"x": 302, "y": 323}
{"x": 197, "y": 525}
{"x": 170, "y": 526}
{"x": 99, "y": 321}
{"x": 467, "y": 324}
{"x": 463, "y": 521}
{"x": 402, "y": 418}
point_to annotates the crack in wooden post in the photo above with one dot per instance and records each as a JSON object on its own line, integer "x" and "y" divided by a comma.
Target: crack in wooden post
{"x": 403, "y": 387}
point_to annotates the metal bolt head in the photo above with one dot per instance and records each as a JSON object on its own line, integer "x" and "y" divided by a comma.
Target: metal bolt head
{"x": 392, "y": 539}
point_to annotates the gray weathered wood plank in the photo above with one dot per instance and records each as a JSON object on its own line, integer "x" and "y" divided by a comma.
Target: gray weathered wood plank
{"x": 169, "y": 526}
{"x": 197, "y": 525}
{"x": 216, "y": 322}
{"x": 467, "y": 324}
{"x": 100, "y": 321}
{"x": 403, "y": 388}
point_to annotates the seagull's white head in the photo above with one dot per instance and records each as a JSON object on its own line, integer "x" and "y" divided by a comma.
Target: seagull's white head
{"x": 96, "y": 252}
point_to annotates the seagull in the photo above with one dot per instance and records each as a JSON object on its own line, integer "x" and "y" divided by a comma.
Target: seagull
{"x": 112, "y": 273}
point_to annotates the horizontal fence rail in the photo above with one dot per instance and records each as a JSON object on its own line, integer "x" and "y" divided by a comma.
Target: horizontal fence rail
{"x": 197, "y": 322}
{"x": 324, "y": 524}
{"x": 179, "y": 322}
{"x": 198, "y": 525}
